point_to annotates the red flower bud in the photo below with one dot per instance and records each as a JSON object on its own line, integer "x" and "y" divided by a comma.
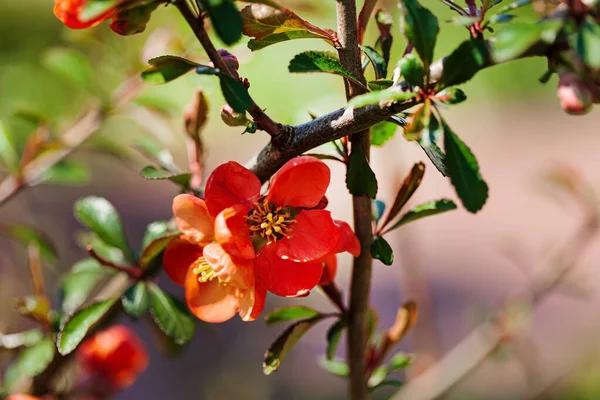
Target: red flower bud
{"x": 575, "y": 96}
{"x": 231, "y": 61}
{"x": 132, "y": 20}
{"x": 68, "y": 11}
{"x": 232, "y": 117}
{"x": 114, "y": 356}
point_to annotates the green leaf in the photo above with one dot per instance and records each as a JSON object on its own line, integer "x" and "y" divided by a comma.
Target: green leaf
{"x": 360, "y": 178}
{"x": 377, "y": 60}
{"x": 334, "y": 334}
{"x": 8, "y": 148}
{"x": 76, "y": 287}
{"x": 513, "y": 6}
{"x": 164, "y": 69}
{"x": 336, "y": 367}
{"x": 171, "y": 316}
{"x": 29, "y": 235}
{"x": 235, "y": 93}
{"x": 382, "y": 251}
{"x": 517, "y": 38}
{"x": 377, "y": 376}
{"x": 290, "y": 314}
{"x": 382, "y": 132}
{"x": 136, "y": 301}
{"x": 33, "y": 360}
{"x": 451, "y": 96}
{"x": 412, "y": 70}
{"x": 382, "y": 96}
{"x": 154, "y": 230}
{"x": 101, "y": 218}
{"x": 463, "y": 63}
{"x": 276, "y": 24}
{"x": 150, "y": 172}
{"x": 70, "y": 64}
{"x": 436, "y": 156}
{"x": 93, "y": 9}
{"x": 380, "y": 84}
{"x": 76, "y": 326}
{"x": 463, "y": 170}
{"x": 225, "y": 19}
{"x": 421, "y": 29}
{"x": 110, "y": 253}
{"x": 424, "y": 210}
{"x": 587, "y": 43}
{"x": 320, "y": 61}
{"x": 155, "y": 249}
{"x": 284, "y": 343}
{"x": 407, "y": 190}
{"x": 67, "y": 173}
{"x": 399, "y": 361}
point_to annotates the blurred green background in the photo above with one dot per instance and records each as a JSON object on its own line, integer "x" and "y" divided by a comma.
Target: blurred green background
{"x": 454, "y": 262}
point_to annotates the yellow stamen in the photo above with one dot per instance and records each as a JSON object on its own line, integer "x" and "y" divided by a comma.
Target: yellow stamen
{"x": 203, "y": 270}
{"x": 269, "y": 222}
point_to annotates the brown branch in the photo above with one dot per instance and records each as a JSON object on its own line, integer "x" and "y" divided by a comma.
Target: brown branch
{"x": 483, "y": 340}
{"x": 363, "y": 18}
{"x": 132, "y": 272}
{"x": 360, "y": 285}
{"x": 262, "y": 120}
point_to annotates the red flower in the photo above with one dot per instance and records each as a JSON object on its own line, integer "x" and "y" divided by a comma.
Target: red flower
{"x": 114, "y": 355}
{"x": 218, "y": 284}
{"x": 69, "y": 12}
{"x": 287, "y": 238}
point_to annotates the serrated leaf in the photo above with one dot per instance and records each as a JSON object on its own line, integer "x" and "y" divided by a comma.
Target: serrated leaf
{"x": 380, "y": 84}
{"x": 463, "y": 170}
{"x": 235, "y": 93}
{"x": 412, "y": 70}
{"x": 152, "y": 173}
{"x": 76, "y": 287}
{"x": 225, "y": 19}
{"x": 70, "y": 64}
{"x": 436, "y": 156}
{"x": 382, "y": 96}
{"x": 99, "y": 215}
{"x": 421, "y": 29}
{"x": 154, "y": 230}
{"x": 76, "y": 326}
{"x": 30, "y": 235}
{"x": 155, "y": 249}
{"x": 377, "y": 60}
{"x": 587, "y": 43}
{"x": 360, "y": 178}
{"x": 320, "y": 61}
{"x": 382, "y": 132}
{"x": 424, "y": 210}
{"x": 409, "y": 186}
{"x": 285, "y": 342}
{"x": 67, "y": 173}
{"x": 275, "y": 24}
{"x": 171, "y": 316}
{"x": 336, "y": 367}
{"x": 292, "y": 313}
{"x": 334, "y": 334}
{"x": 136, "y": 300}
{"x": 34, "y": 360}
{"x": 164, "y": 69}
{"x": 463, "y": 63}
{"x": 382, "y": 251}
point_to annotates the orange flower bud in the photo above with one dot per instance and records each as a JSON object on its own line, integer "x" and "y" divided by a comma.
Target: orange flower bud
{"x": 575, "y": 96}
{"x": 68, "y": 11}
{"x": 232, "y": 117}
{"x": 115, "y": 356}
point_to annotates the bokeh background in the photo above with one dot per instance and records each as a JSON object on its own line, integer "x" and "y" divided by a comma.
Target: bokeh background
{"x": 459, "y": 266}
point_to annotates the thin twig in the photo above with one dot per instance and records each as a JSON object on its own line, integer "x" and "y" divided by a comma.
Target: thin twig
{"x": 455, "y": 7}
{"x": 132, "y": 272}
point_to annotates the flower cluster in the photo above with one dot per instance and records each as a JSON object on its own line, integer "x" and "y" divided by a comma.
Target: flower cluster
{"x": 237, "y": 244}
{"x": 128, "y": 17}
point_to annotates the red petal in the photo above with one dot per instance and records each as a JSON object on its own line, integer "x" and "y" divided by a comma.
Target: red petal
{"x": 260, "y": 296}
{"x": 301, "y": 182}
{"x": 231, "y": 184}
{"x": 231, "y": 232}
{"x": 329, "y": 270}
{"x": 193, "y": 219}
{"x": 285, "y": 277}
{"x": 210, "y": 301}
{"x": 178, "y": 257}
{"x": 313, "y": 237}
{"x": 235, "y": 272}
{"x": 348, "y": 240}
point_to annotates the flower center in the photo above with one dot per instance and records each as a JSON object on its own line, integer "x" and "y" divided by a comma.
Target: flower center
{"x": 269, "y": 222}
{"x": 203, "y": 270}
